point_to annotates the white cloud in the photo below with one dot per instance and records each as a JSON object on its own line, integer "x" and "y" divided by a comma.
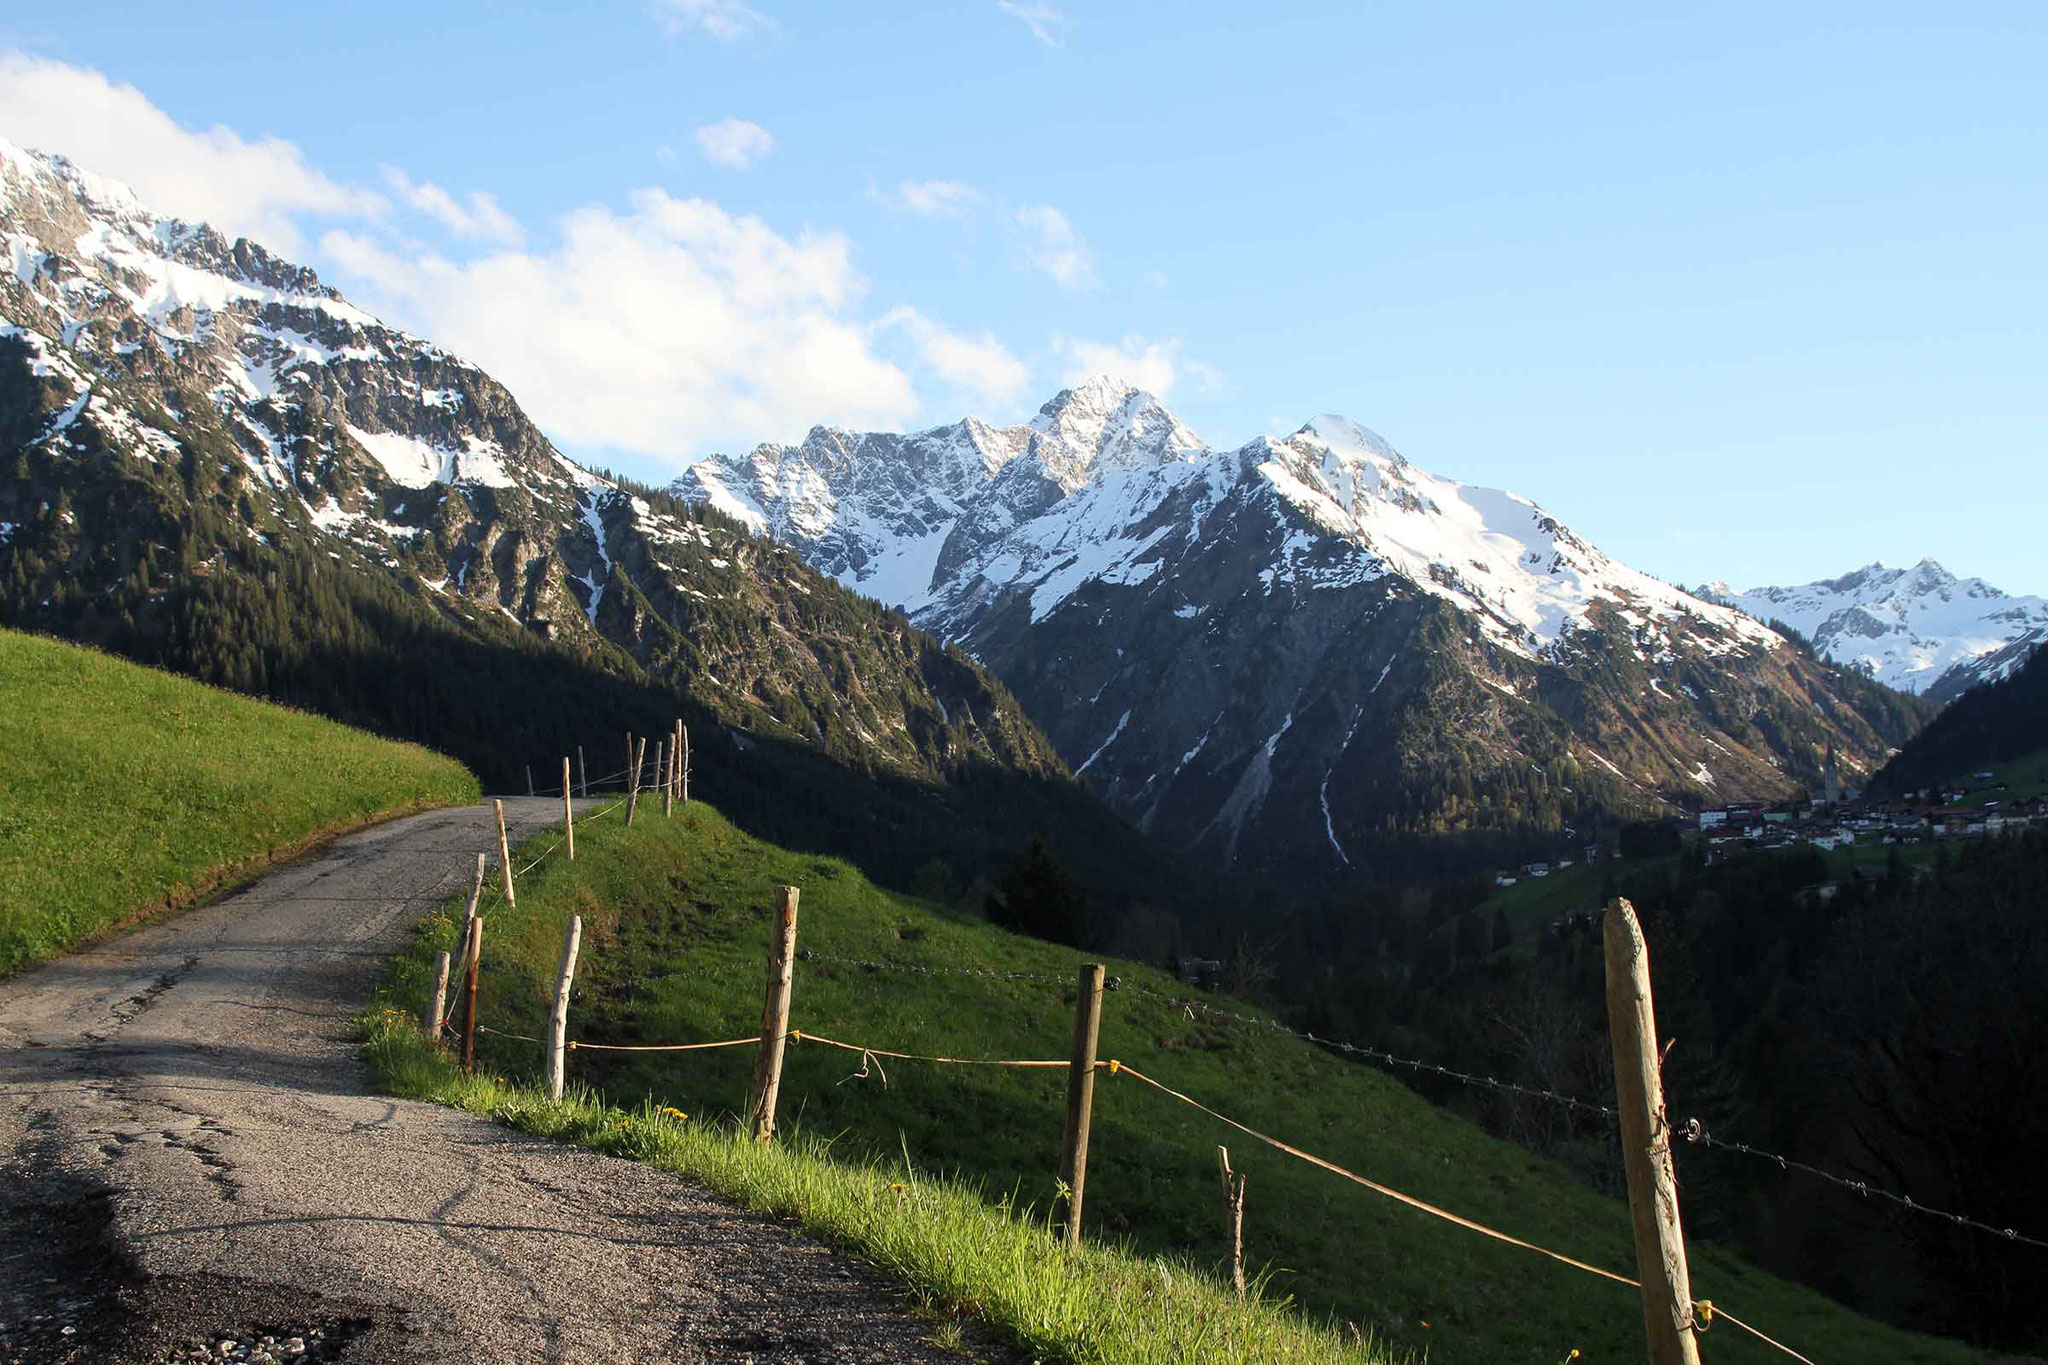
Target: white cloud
{"x": 734, "y": 143}
{"x": 1044, "y": 21}
{"x": 981, "y": 366}
{"x": 1155, "y": 366}
{"x": 655, "y": 330}
{"x": 938, "y": 198}
{"x": 255, "y": 189}
{"x": 1052, "y": 245}
{"x": 480, "y": 218}
{"x": 729, "y": 20}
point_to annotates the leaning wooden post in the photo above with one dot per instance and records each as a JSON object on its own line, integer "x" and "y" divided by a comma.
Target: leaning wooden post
{"x": 633, "y": 780}
{"x": 774, "y": 1020}
{"x": 681, "y": 753}
{"x": 504, "y": 853}
{"x": 1080, "y": 1098}
{"x": 683, "y": 785}
{"x": 437, "y": 1007}
{"x": 1646, "y": 1141}
{"x": 474, "y": 954}
{"x": 568, "y": 813}
{"x": 629, "y": 755}
{"x": 558, "y": 1019}
{"x": 1233, "y": 1215}
{"x": 529, "y": 779}
{"x": 582, "y": 775}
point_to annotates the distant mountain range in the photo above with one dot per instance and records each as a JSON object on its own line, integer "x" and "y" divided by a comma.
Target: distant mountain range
{"x": 1307, "y": 656}
{"x": 211, "y": 460}
{"x": 1922, "y": 630}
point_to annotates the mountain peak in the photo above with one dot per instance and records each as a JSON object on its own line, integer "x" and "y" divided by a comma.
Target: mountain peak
{"x": 1346, "y": 437}
{"x": 1107, "y": 423}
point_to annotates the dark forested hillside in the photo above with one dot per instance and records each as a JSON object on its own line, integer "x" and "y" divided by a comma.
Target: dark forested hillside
{"x": 1892, "y": 1028}
{"x": 1991, "y": 723}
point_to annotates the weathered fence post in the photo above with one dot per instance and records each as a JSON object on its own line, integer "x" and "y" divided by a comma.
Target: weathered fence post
{"x": 582, "y": 775}
{"x": 668, "y": 786}
{"x": 633, "y": 779}
{"x": 474, "y": 954}
{"x": 683, "y": 785}
{"x": 1080, "y": 1098}
{"x": 437, "y": 1007}
{"x": 1646, "y": 1141}
{"x": 1233, "y": 1218}
{"x": 529, "y": 779}
{"x": 504, "y": 853}
{"x": 629, "y": 755}
{"x": 657, "y": 776}
{"x": 558, "y": 1019}
{"x": 774, "y": 1019}
{"x": 682, "y": 753}
{"x": 568, "y": 813}
{"x": 476, "y": 893}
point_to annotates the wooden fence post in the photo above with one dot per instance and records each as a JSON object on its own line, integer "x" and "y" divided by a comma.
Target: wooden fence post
{"x": 657, "y": 776}
{"x": 633, "y": 780}
{"x": 437, "y": 1007}
{"x": 774, "y": 1019}
{"x": 682, "y": 762}
{"x": 629, "y": 755}
{"x": 474, "y": 954}
{"x": 582, "y": 775}
{"x": 558, "y": 1019}
{"x": 504, "y": 853}
{"x": 529, "y": 779}
{"x": 1646, "y": 1141}
{"x": 668, "y": 786}
{"x": 476, "y": 893}
{"x": 1080, "y": 1098}
{"x": 568, "y": 813}
{"x": 1233, "y": 1216}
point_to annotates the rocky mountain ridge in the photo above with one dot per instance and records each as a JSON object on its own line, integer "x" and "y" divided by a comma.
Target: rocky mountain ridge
{"x": 177, "y": 407}
{"x": 1920, "y": 629}
{"x": 1308, "y": 655}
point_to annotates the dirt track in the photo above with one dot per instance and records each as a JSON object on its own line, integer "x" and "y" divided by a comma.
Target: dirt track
{"x": 192, "y": 1155}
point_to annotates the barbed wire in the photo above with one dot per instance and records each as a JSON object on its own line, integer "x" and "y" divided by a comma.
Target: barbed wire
{"x": 1695, "y": 1132}
{"x": 1380, "y": 1055}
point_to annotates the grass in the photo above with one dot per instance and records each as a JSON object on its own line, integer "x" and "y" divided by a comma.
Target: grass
{"x": 676, "y": 921}
{"x": 961, "y": 1255}
{"x": 126, "y": 791}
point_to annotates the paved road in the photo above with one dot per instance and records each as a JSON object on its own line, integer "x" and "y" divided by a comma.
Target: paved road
{"x": 193, "y": 1156}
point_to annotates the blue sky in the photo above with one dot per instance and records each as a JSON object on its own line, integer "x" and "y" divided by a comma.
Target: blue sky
{"x": 1754, "y": 294}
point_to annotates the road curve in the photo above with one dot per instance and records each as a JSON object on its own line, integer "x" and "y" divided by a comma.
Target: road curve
{"x": 193, "y": 1155}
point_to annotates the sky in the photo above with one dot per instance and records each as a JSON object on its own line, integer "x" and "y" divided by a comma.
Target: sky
{"x": 1754, "y": 293}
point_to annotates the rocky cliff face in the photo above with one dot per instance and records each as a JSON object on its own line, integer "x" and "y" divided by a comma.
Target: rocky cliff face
{"x": 175, "y": 406}
{"x": 1308, "y": 657}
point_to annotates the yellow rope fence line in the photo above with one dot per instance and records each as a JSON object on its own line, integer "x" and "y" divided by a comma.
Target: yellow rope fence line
{"x": 1118, "y": 1068}
{"x": 1704, "y": 1314}
{"x": 662, "y": 1047}
{"x": 1704, "y": 1309}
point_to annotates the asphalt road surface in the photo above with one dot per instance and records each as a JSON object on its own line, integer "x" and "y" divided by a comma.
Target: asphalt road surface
{"x": 193, "y": 1157}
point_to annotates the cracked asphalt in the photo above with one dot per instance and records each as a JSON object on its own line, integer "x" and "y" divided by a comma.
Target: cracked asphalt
{"x": 192, "y": 1155}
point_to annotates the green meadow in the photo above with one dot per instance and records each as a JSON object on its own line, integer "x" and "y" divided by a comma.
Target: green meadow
{"x": 125, "y": 791}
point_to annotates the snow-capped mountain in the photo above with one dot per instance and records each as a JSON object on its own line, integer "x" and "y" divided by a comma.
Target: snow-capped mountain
{"x": 1304, "y": 652}
{"x": 1921, "y": 630}
{"x": 176, "y": 408}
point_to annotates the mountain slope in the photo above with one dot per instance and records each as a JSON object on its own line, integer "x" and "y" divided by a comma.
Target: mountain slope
{"x": 1308, "y": 656}
{"x": 1921, "y": 630}
{"x": 1992, "y": 723}
{"x": 210, "y": 460}
{"x": 138, "y": 790}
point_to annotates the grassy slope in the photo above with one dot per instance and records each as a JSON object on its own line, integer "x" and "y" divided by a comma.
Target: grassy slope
{"x": 675, "y": 927}
{"x": 123, "y": 789}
